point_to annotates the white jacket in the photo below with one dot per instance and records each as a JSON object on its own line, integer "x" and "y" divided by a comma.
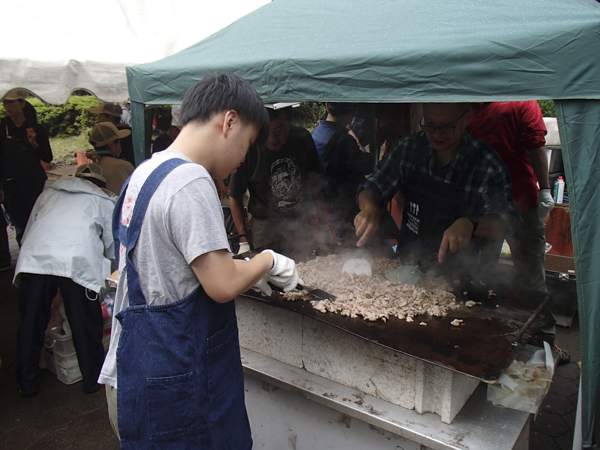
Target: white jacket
{"x": 69, "y": 234}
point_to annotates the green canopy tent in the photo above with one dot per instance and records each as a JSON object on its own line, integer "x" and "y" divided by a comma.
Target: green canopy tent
{"x": 423, "y": 51}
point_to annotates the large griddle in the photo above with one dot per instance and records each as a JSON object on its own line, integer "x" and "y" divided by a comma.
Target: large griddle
{"x": 482, "y": 347}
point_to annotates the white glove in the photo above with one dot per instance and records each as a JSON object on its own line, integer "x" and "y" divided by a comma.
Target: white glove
{"x": 263, "y": 287}
{"x": 244, "y": 248}
{"x": 283, "y": 274}
{"x": 545, "y": 204}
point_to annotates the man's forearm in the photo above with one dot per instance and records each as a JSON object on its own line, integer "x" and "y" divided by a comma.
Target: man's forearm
{"x": 539, "y": 163}
{"x": 491, "y": 227}
{"x": 43, "y": 150}
{"x": 369, "y": 198}
{"x": 367, "y": 220}
{"x": 236, "y": 205}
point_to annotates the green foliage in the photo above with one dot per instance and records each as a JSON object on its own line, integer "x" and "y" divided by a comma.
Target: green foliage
{"x": 547, "y": 108}
{"x": 307, "y": 115}
{"x": 69, "y": 120}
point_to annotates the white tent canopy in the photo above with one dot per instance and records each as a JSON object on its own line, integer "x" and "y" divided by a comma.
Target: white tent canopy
{"x": 55, "y": 48}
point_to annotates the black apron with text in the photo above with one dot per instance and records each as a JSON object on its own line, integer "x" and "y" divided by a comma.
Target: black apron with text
{"x": 179, "y": 372}
{"x": 430, "y": 207}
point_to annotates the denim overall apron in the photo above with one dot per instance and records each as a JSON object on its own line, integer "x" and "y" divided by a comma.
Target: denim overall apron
{"x": 180, "y": 380}
{"x": 430, "y": 207}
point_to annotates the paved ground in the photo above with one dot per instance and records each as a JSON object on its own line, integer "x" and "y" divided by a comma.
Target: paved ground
{"x": 553, "y": 427}
{"x": 62, "y": 417}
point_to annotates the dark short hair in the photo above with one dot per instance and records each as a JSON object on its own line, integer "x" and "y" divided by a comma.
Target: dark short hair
{"x": 227, "y": 91}
{"x": 339, "y": 109}
{"x": 275, "y": 113}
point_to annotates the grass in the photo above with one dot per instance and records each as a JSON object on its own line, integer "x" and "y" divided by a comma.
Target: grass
{"x": 65, "y": 149}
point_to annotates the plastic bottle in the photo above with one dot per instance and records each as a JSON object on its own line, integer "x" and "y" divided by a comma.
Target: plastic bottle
{"x": 559, "y": 190}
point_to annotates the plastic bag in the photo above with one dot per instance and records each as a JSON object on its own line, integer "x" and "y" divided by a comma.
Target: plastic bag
{"x": 523, "y": 386}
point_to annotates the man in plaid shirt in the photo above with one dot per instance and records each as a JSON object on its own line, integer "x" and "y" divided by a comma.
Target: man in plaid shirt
{"x": 455, "y": 187}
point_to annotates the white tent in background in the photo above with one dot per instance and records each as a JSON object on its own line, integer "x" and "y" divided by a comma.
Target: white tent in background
{"x": 55, "y": 48}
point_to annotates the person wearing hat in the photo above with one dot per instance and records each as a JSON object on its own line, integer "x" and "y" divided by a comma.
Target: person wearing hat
{"x": 67, "y": 245}
{"x": 111, "y": 112}
{"x": 106, "y": 139}
{"x": 23, "y": 143}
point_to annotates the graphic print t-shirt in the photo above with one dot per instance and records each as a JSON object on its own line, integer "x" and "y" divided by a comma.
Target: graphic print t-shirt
{"x": 277, "y": 180}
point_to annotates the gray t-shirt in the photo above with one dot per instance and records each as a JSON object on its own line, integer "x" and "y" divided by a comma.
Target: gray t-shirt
{"x": 184, "y": 220}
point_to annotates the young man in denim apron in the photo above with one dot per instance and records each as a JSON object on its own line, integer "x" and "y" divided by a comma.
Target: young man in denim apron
{"x": 455, "y": 187}
{"x": 173, "y": 364}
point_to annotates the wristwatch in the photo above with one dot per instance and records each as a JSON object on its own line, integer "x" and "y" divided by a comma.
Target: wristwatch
{"x": 475, "y": 222}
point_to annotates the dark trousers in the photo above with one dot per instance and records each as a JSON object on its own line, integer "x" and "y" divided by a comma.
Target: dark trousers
{"x": 20, "y": 196}
{"x": 4, "y": 249}
{"x": 18, "y": 214}
{"x": 85, "y": 319}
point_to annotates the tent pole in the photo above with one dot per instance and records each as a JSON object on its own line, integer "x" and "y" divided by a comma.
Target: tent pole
{"x": 141, "y": 119}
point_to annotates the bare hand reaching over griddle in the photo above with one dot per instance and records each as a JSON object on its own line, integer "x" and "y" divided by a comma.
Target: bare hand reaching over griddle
{"x": 367, "y": 220}
{"x": 457, "y": 236}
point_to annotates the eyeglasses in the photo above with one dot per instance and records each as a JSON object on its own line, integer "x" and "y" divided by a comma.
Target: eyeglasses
{"x": 443, "y": 129}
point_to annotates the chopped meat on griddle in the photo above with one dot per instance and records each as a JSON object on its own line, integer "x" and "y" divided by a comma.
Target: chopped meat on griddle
{"x": 373, "y": 297}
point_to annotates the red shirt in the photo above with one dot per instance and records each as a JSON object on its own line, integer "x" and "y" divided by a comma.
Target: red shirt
{"x": 513, "y": 129}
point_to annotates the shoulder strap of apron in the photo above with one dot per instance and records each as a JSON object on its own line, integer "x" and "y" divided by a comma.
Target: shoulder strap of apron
{"x": 27, "y": 125}
{"x": 128, "y": 234}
